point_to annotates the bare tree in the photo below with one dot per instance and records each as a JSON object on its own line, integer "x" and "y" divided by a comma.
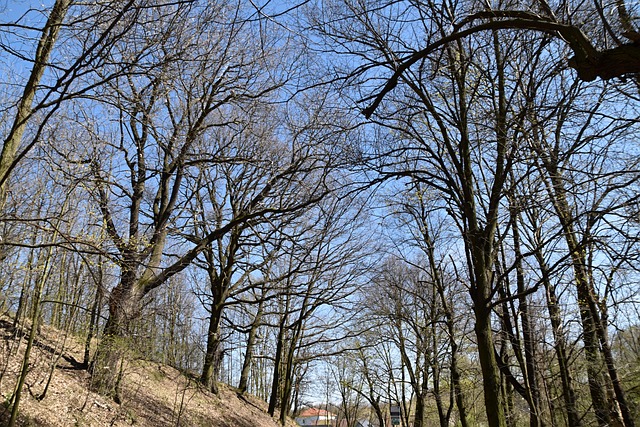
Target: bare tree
{"x": 422, "y": 225}
{"x": 346, "y": 376}
{"x": 556, "y": 158}
{"x": 60, "y": 71}
{"x": 320, "y": 265}
{"x": 602, "y": 53}
{"x": 456, "y": 133}
{"x": 222, "y": 193}
{"x": 457, "y": 113}
{"x": 196, "y": 76}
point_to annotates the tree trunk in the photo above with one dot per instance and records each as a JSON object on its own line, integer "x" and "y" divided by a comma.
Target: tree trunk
{"x": 378, "y": 410}
{"x": 419, "y": 414}
{"x": 490, "y": 375}
{"x": 35, "y": 319}
{"x": 597, "y": 384}
{"x": 443, "y": 416}
{"x": 275, "y": 395}
{"x": 124, "y": 306}
{"x": 457, "y": 387}
{"x": 480, "y": 249}
{"x": 21, "y": 306}
{"x": 450, "y": 323}
{"x": 372, "y": 398}
{"x": 220, "y": 283}
{"x": 93, "y": 321}
{"x": 287, "y": 381}
{"x": 251, "y": 342}
{"x": 593, "y": 330}
{"x": 507, "y": 388}
{"x": 47, "y": 40}
{"x": 555, "y": 316}
{"x": 535, "y": 419}
{"x": 212, "y": 357}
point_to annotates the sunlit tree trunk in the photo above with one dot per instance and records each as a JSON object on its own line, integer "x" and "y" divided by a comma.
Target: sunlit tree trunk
{"x": 219, "y": 284}
{"x": 251, "y": 343}
{"x": 48, "y": 38}
{"x": 594, "y": 334}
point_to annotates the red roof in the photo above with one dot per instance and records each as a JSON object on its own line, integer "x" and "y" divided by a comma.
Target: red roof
{"x": 314, "y": 412}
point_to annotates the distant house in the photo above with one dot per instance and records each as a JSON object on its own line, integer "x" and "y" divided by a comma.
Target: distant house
{"x": 316, "y": 417}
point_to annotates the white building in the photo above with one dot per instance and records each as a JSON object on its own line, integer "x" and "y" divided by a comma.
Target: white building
{"x": 316, "y": 417}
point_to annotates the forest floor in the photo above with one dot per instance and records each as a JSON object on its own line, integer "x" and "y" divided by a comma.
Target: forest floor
{"x": 153, "y": 394}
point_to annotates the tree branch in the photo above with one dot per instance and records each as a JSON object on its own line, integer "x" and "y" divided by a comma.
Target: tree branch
{"x": 588, "y": 62}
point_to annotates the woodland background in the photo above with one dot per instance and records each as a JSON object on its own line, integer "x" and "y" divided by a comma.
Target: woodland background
{"x": 425, "y": 203}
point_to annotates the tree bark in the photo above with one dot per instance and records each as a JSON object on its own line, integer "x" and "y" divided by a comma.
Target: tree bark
{"x": 535, "y": 419}
{"x": 275, "y": 395}
{"x": 251, "y": 342}
{"x": 488, "y": 364}
{"x": 116, "y": 342}
{"x": 212, "y": 356}
{"x": 93, "y": 316}
{"x": 287, "y": 381}
{"x": 419, "y": 414}
{"x": 48, "y": 38}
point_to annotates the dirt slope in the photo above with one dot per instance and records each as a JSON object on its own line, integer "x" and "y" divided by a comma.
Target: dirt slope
{"x": 154, "y": 394}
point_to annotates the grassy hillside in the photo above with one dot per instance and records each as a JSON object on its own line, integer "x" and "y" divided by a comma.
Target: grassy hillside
{"x": 153, "y": 394}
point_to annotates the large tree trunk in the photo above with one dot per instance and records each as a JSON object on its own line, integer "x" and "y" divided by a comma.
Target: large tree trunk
{"x": 124, "y": 307}
{"x": 212, "y": 356}
{"x": 220, "y": 284}
{"x": 418, "y": 416}
{"x": 597, "y": 383}
{"x": 481, "y": 259}
{"x": 287, "y": 382}
{"x": 480, "y": 242}
{"x": 488, "y": 365}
